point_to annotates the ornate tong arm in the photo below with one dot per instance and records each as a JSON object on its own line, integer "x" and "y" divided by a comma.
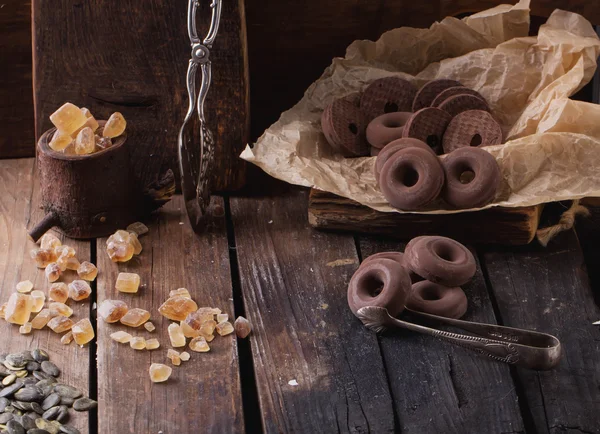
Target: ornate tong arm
{"x": 519, "y": 347}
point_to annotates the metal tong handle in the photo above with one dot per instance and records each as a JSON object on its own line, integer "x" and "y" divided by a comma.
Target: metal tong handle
{"x": 195, "y": 182}
{"x": 514, "y": 346}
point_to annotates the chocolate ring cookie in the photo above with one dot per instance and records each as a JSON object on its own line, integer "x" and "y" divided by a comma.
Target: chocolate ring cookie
{"x": 428, "y": 125}
{"x": 453, "y": 91}
{"x": 344, "y": 127}
{"x": 440, "y": 260}
{"x": 472, "y": 178}
{"x": 386, "y": 128}
{"x": 461, "y": 103}
{"x": 380, "y": 282}
{"x": 436, "y": 299}
{"x": 411, "y": 178}
{"x": 427, "y": 93}
{"x": 471, "y": 128}
{"x": 393, "y": 147}
{"x": 387, "y": 95}
{"x": 394, "y": 256}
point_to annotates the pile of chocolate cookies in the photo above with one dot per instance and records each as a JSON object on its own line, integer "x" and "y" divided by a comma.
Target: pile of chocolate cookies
{"x": 407, "y": 128}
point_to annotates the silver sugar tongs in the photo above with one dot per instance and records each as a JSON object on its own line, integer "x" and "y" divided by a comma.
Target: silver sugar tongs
{"x": 514, "y": 346}
{"x": 195, "y": 182}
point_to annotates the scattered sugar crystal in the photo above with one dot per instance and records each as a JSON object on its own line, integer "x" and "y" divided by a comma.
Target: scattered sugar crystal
{"x": 135, "y": 317}
{"x": 137, "y": 343}
{"x": 39, "y": 298}
{"x": 174, "y": 357}
{"x": 59, "y": 291}
{"x": 43, "y": 257}
{"x": 159, "y": 372}
{"x": 25, "y": 329}
{"x": 68, "y": 118}
{"x": 242, "y": 327}
{"x": 53, "y": 272}
{"x": 182, "y": 292}
{"x": 112, "y": 310}
{"x": 222, "y": 317}
{"x": 102, "y": 142}
{"x": 67, "y": 338}
{"x": 185, "y": 356}
{"x": 177, "y": 308}
{"x": 138, "y": 227}
{"x": 79, "y": 290}
{"x": 115, "y": 125}
{"x": 152, "y": 344}
{"x": 188, "y": 331}
{"x": 18, "y": 309}
{"x": 49, "y": 241}
{"x": 3, "y": 309}
{"x": 72, "y": 264}
{"x": 60, "y": 324}
{"x": 121, "y": 337}
{"x": 128, "y": 282}
{"x": 209, "y": 310}
{"x": 85, "y": 142}
{"x": 60, "y": 141}
{"x": 224, "y": 328}
{"x": 42, "y": 318}
{"x": 87, "y": 271}
{"x": 25, "y": 286}
{"x": 149, "y": 326}
{"x": 208, "y": 328}
{"x": 61, "y": 309}
{"x": 83, "y": 332}
{"x": 199, "y": 345}
{"x": 176, "y": 335}
{"x": 137, "y": 246}
{"x": 119, "y": 251}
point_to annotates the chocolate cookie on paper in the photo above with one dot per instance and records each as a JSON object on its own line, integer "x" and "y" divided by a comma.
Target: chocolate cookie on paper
{"x": 427, "y": 93}
{"x": 344, "y": 125}
{"x": 428, "y": 125}
{"x": 472, "y": 128}
{"x": 453, "y": 91}
{"x": 387, "y": 95}
{"x": 462, "y": 103}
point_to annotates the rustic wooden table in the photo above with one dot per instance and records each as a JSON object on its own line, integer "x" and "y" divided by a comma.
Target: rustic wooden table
{"x": 309, "y": 365}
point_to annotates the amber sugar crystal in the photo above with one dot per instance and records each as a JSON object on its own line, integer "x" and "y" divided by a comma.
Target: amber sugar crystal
{"x": 61, "y": 309}
{"x": 25, "y": 329}
{"x": 224, "y": 328}
{"x": 121, "y": 337}
{"x": 24, "y": 286}
{"x": 91, "y": 121}
{"x": 68, "y": 118}
{"x": 83, "y": 332}
{"x": 159, "y": 372}
{"x": 176, "y": 335}
{"x": 42, "y": 318}
{"x": 137, "y": 343}
{"x": 43, "y": 257}
{"x": 3, "y": 309}
{"x": 69, "y": 263}
{"x": 67, "y": 338}
{"x": 115, "y": 125}
{"x": 87, "y": 271}
{"x": 60, "y": 141}
{"x": 128, "y": 282}
{"x": 177, "y": 308}
{"x": 79, "y": 290}
{"x": 152, "y": 344}
{"x": 174, "y": 357}
{"x": 135, "y": 317}
{"x": 199, "y": 345}
{"x": 49, "y": 241}
{"x": 188, "y": 331}
{"x": 149, "y": 326}
{"x": 60, "y": 324}
{"x": 183, "y": 292}
{"x": 112, "y": 310}
{"x": 53, "y": 272}
{"x": 18, "y": 309}
{"x": 85, "y": 143}
{"x": 39, "y": 298}
{"x": 242, "y": 327}
{"x": 59, "y": 292}
{"x": 138, "y": 227}
{"x": 119, "y": 251}
{"x": 137, "y": 246}
{"x": 208, "y": 328}
{"x": 185, "y": 356}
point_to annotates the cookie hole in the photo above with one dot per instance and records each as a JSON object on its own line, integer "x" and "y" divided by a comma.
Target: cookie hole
{"x": 408, "y": 176}
{"x": 466, "y": 176}
{"x": 391, "y": 124}
{"x": 390, "y": 107}
{"x": 353, "y": 129}
{"x": 444, "y": 252}
{"x": 373, "y": 285}
{"x": 476, "y": 140}
{"x": 429, "y": 294}
{"x": 432, "y": 141}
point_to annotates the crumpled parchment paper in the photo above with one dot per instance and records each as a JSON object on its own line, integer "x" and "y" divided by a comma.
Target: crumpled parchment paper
{"x": 552, "y": 149}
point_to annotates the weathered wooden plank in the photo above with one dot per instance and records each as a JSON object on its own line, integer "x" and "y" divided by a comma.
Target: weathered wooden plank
{"x": 19, "y": 208}
{"x": 17, "y": 138}
{"x": 513, "y": 226}
{"x": 203, "y": 393}
{"x": 547, "y": 289}
{"x": 136, "y": 62}
{"x": 438, "y": 387}
{"x": 317, "y": 368}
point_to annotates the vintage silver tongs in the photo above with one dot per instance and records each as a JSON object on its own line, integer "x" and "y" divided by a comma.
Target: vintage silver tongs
{"x": 520, "y": 347}
{"x": 195, "y": 180}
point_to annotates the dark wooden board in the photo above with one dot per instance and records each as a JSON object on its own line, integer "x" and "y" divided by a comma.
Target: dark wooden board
{"x": 19, "y": 200}
{"x": 17, "y": 138}
{"x": 495, "y": 225}
{"x": 548, "y": 290}
{"x": 203, "y": 393}
{"x": 294, "y": 284}
{"x": 132, "y": 57}
{"x": 438, "y": 387}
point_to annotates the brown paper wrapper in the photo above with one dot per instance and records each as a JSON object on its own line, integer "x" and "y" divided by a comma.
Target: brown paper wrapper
{"x": 552, "y": 149}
